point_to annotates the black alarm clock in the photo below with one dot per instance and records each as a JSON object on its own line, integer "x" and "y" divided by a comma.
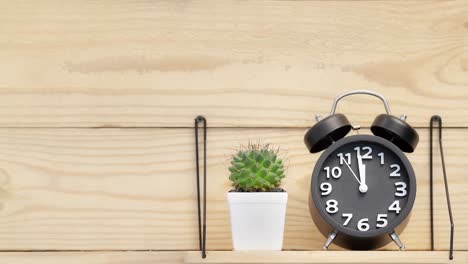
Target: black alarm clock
{"x": 363, "y": 187}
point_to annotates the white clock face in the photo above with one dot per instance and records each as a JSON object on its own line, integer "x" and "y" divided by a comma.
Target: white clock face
{"x": 364, "y": 187}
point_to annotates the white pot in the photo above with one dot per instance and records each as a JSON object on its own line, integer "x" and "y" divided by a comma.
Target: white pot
{"x": 257, "y": 219}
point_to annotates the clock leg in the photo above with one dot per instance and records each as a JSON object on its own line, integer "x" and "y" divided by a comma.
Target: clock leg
{"x": 330, "y": 239}
{"x": 397, "y": 240}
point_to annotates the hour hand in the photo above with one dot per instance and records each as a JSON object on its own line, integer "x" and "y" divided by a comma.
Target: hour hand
{"x": 362, "y": 175}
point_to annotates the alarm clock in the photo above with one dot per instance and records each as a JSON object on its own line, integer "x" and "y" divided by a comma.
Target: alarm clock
{"x": 363, "y": 187}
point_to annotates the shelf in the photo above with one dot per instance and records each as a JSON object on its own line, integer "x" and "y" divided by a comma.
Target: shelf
{"x": 348, "y": 257}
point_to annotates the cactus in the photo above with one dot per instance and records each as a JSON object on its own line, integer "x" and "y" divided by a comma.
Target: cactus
{"x": 256, "y": 168}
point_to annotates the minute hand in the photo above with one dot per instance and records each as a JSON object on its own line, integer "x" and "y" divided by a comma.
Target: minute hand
{"x": 362, "y": 175}
{"x": 354, "y": 174}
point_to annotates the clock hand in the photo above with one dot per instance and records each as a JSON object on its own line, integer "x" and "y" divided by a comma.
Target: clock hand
{"x": 362, "y": 175}
{"x": 354, "y": 174}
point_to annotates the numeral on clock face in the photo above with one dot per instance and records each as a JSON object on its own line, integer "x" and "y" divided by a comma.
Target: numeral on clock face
{"x": 396, "y": 170}
{"x": 348, "y": 218}
{"x": 400, "y": 189}
{"x": 367, "y": 151}
{"x": 326, "y": 188}
{"x": 382, "y": 159}
{"x": 332, "y": 206}
{"x": 335, "y": 172}
{"x": 381, "y": 220}
{"x": 342, "y": 159}
{"x": 363, "y": 224}
{"x": 395, "y": 207}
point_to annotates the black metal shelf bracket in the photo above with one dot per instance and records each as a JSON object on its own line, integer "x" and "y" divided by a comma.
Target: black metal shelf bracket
{"x": 438, "y": 119}
{"x": 201, "y": 231}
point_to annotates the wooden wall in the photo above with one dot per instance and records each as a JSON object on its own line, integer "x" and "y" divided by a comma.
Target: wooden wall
{"x": 97, "y": 100}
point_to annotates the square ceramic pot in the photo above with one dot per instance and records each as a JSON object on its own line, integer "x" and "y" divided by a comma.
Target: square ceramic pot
{"x": 257, "y": 219}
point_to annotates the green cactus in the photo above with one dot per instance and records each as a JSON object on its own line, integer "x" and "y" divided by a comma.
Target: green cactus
{"x": 256, "y": 168}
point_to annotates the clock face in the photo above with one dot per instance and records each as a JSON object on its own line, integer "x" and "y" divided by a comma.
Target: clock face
{"x": 363, "y": 186}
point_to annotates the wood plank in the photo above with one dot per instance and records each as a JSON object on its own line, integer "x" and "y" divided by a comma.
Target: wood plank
{"x": 302, "y": 257}
{"x": 128, "y": 257}
{"x": 240, "y": 63}
{"x": 134, "y": 189}
{"x": 142, "y": 257}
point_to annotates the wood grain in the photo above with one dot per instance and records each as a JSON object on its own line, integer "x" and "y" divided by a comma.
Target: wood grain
{"x": 270, "y": 64}
{"x": 163, "y": 257}
{"x": 240, "y": 63}
{"x": 134, "y": 189}
{"x": 92, "y": 257}
{"x": 303, "y": 257}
